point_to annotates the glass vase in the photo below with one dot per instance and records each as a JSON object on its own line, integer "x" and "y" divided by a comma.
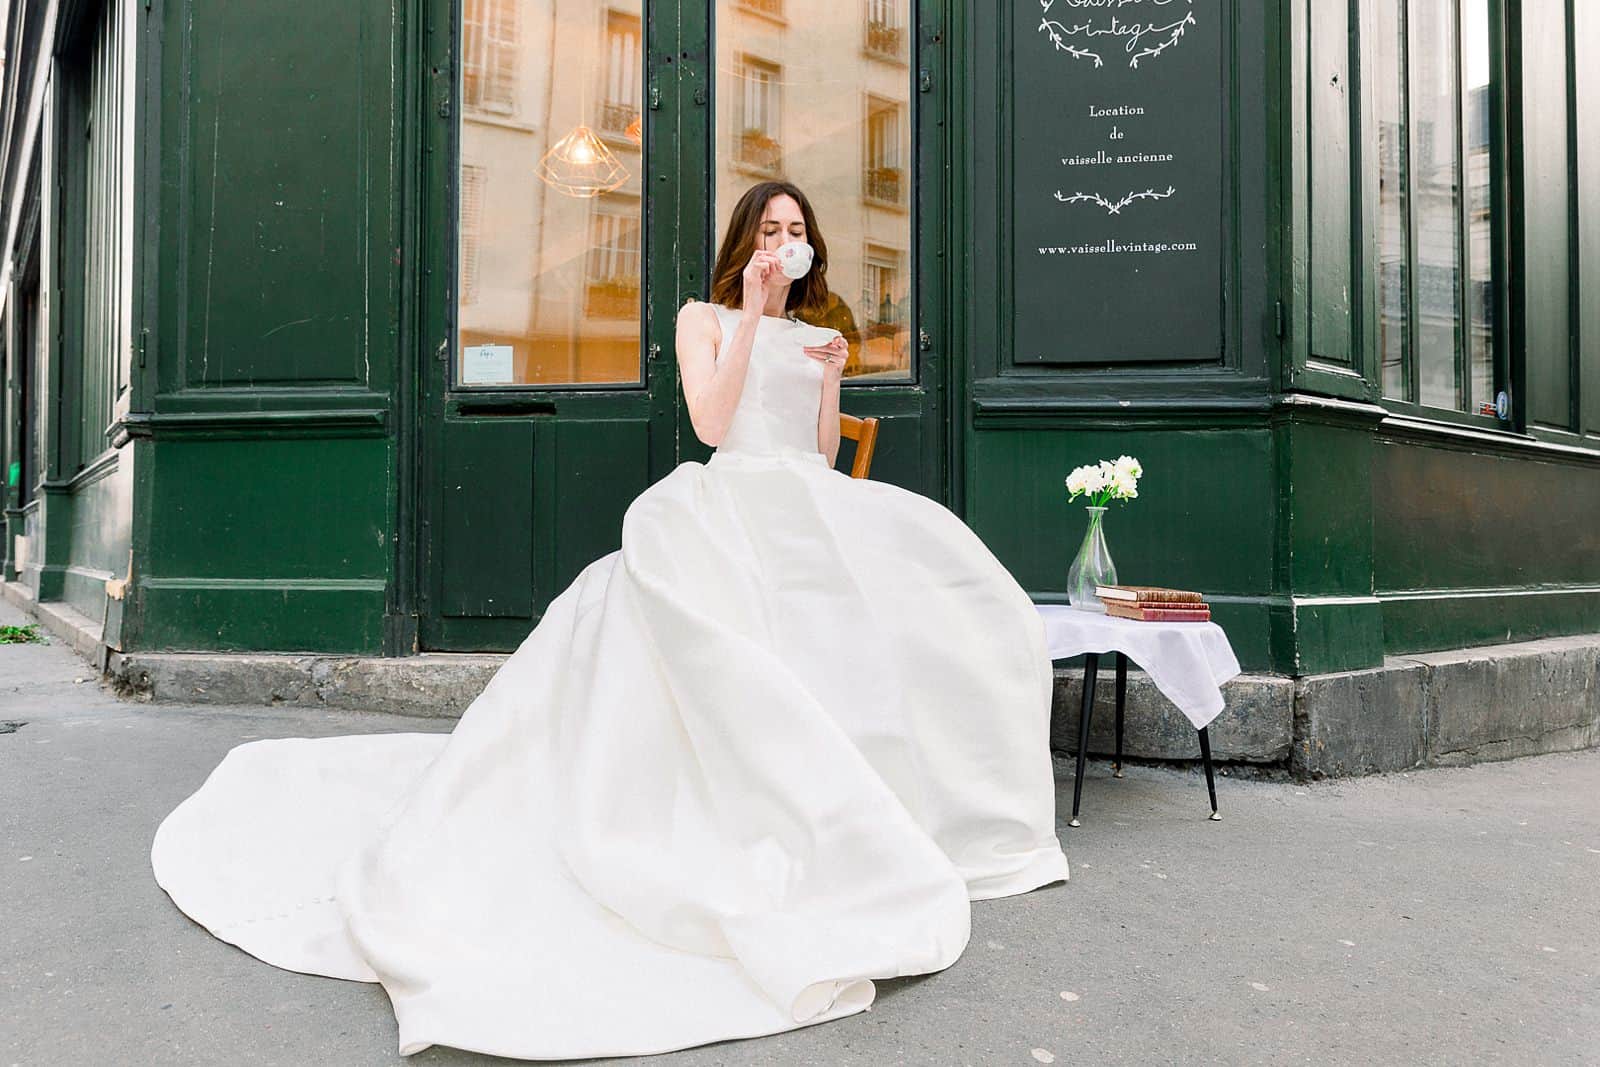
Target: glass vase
{"x": 1092, "y": 566}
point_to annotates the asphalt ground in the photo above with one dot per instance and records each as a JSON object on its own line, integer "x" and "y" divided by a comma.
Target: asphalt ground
{"x": 1442, "y": 916}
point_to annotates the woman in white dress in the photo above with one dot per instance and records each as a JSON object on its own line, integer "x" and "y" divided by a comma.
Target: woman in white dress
{"x": 765, "y": 752}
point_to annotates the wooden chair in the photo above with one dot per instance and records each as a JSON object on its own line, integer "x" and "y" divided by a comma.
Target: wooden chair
{"x": 864, "y": 432}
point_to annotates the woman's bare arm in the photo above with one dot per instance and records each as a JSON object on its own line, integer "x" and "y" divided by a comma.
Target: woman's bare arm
{"x": 712, "y": 367}
{"x": 828, "y": 413}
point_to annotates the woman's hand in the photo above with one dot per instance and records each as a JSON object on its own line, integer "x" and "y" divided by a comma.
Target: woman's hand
{"x": 832, "y": 355}
{"x": 762, "y": 266}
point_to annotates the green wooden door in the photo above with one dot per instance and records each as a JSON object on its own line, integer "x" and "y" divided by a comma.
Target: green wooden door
{"x": 578, "y": 157}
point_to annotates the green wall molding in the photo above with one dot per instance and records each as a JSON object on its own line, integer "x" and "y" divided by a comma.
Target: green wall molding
{"x": 103, "y": 466}
{"x": 1403, "y": 429}
{"x": 1458, "y": 618}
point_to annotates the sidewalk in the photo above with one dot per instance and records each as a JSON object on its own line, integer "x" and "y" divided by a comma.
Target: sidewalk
{"x": 1442, "y": 916}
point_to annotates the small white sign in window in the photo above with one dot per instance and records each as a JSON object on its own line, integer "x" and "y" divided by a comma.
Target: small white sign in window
{"x": 486, "y": 365}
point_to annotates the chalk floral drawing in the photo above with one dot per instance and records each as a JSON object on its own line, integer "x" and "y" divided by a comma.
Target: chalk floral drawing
{"x": 1113, "y": 207}
{"x": 1136, "y": 36}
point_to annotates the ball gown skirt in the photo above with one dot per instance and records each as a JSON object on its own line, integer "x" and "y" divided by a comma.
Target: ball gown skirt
{"x": 763, "y": 753}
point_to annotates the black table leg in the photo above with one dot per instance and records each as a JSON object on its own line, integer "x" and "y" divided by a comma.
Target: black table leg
{"x": 1211, "y": 782}
{"x": 1122, "y": 700}
{"x": 1091, "y": 666}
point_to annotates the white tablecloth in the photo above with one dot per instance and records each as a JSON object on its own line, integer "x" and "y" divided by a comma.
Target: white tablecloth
{"x": 1187, "y": 661}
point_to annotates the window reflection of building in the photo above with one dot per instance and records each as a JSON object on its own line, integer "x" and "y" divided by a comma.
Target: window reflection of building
{"x": 489, "y": 55}
{"x": 792, "y": 103}
{"x": 471, "y": 229}
{"x": 552, "y": 274}
{"x": 885, "y": 36}
{"x": 880, "y": 282}
{"x": 624, "y": 50}
{"x": 770, "y": 8}
{"x": 760, "y": 144}
{"x": 881, "y": 177}
{"x": 614, "y": 262}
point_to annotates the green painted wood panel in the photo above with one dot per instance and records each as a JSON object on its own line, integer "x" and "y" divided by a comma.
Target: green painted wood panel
{"x": 596, "y": 473}
{"x": 255, "y": 507}
{"x": 484, "y": 534}
{"x": 1460, "y": 517}
{"x": 273, "y": 539}
{"x": 280, "y": 127}
{"x": 1546, "y": 212}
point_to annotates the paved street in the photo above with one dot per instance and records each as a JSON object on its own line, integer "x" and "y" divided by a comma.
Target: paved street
{"x": 1447, "y": 916}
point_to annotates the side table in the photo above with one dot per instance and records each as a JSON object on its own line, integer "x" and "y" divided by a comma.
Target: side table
{"x": 1187, "y": 661}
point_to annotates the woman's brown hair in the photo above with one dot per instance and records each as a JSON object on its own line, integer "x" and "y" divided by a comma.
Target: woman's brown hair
{"x": 808, "y": 296}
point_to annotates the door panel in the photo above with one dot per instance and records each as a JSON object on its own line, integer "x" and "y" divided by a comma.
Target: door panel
{"x": 543, "y": 413}
{"x": 485, "y": 516}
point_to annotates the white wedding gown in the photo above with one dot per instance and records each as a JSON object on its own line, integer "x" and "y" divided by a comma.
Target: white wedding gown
{"x": 762, "y": 754}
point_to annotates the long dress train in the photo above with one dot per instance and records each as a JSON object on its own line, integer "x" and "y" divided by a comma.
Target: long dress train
{"x": 765, "y": 752}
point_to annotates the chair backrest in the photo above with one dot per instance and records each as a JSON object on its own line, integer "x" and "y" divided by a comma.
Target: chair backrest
{"x": 864, "y": 432}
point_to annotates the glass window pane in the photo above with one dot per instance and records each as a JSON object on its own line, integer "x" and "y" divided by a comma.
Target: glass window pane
{"x": 1480, "y": 199}
{"x": 1436, "y": 199}
{"x": 822, "y": 98}
{"x": 550, "y": 250}
{"x": 1393, "y": 293}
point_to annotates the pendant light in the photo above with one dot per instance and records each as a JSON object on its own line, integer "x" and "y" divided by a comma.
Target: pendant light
{"x": 581, "y": 165}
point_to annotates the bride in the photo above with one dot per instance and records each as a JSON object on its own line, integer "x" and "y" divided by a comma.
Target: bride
{"x": 765, "y": 752}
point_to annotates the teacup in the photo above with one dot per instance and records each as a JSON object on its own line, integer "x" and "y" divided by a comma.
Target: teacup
{"x": 794, "y": 258}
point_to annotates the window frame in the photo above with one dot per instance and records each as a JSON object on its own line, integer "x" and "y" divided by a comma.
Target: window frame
{"x": 1500, "y": 178}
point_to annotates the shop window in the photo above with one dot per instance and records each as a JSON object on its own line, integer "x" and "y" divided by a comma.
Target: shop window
{"x": 489, "y": 56}
{"x": 1437, "y": 176}
{"x": 92, "y": 225}
{"x": 548, "y": 199}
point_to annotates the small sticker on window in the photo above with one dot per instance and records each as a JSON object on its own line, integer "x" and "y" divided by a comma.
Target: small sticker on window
{"x": 486, "y": 365}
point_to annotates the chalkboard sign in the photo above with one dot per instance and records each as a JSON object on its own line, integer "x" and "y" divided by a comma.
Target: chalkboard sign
{"x": 1117, "y": 168}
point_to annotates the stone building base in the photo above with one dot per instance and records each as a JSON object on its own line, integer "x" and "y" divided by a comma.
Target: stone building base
{"x": 1440, "y": 708}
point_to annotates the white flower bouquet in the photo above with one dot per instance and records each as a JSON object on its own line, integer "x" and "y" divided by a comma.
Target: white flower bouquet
{"x": 1108, "y": 480}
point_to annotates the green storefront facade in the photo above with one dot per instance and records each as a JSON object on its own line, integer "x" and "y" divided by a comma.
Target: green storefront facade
{"x": 1328, "y": 269}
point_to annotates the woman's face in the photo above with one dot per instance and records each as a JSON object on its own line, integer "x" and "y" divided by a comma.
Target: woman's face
{"x": 782, "y": 222}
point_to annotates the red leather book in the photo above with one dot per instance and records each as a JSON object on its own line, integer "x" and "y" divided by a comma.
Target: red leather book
{"x": 1145, "y": 613}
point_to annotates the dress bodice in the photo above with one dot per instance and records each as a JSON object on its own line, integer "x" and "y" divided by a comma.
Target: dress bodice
{"x": 778, "y": 409}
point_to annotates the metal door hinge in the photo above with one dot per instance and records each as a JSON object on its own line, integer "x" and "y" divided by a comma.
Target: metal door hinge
{"x": 654, "y": 352}
{"x": 144, "y": 337}
{"x": 655, "y": 98}
{"x": 924, "y": 80}
{"x": 700, "y": 96}
{"x": 443, "y": 351}
{"x": 1280, "y": 320}
{"x": 924, "y": 342}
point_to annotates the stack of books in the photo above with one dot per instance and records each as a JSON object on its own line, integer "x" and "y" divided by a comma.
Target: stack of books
{"x": 1153, "y": 603}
